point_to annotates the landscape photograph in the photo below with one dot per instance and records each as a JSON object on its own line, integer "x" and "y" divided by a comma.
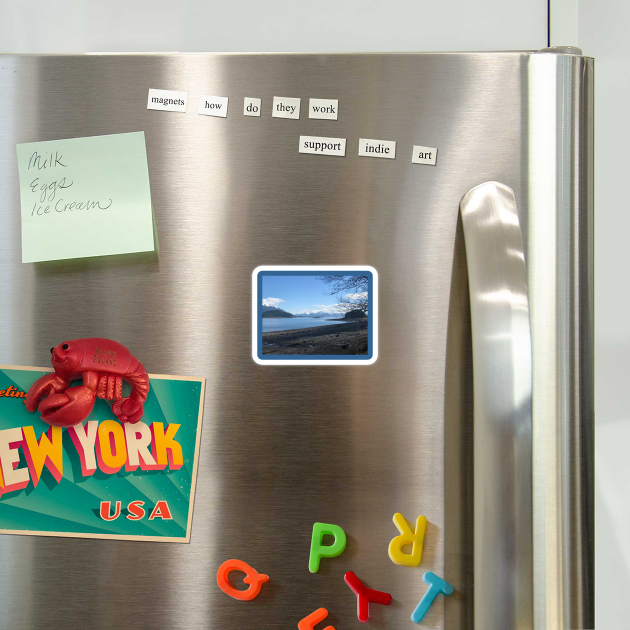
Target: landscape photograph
{"x": 315, "y": 314}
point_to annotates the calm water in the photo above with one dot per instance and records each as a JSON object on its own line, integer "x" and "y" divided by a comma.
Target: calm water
{"x": 275, "y": 324}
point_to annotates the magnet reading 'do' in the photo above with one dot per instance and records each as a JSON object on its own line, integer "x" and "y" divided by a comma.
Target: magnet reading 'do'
{"x": 102, "y": 364}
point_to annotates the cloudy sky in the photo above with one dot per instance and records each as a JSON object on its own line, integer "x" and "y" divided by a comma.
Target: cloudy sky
{"x": 297, "y": 294}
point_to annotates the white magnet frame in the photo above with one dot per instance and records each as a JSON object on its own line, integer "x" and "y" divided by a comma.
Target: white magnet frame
{"x": 314, "y": 362}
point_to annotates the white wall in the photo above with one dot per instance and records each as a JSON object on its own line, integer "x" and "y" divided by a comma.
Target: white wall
{"x": 270, "y": 25}
{"x": 604, "y": 27}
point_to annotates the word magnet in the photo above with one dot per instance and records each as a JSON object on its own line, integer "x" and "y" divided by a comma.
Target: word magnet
{"x": 322, "y": 146}
{"x": 252, "y": 577}
{"x": 251, "y": 106}
{"x": 319, "y": 550}
{"x": 285, "y": 107}
{"x": 167, "y": 100}
{"x": 424, "y": 155}
{"x": 323, "y": 108}
{"x": 407, "y": 537}
{"x": 213, "y": 106}
{"x": 377, "y": 148}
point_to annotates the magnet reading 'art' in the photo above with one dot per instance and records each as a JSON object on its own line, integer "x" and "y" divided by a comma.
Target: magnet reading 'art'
{"x": 252, "y": 577}
{"x": 407, "y": 537}
{"x": 102, "y": 364}
{"x": 319, "y": 550}
{"x": 309, "y": 623}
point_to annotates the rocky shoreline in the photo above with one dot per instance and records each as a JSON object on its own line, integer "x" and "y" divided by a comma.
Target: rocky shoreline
{"x": 350, "y": 338}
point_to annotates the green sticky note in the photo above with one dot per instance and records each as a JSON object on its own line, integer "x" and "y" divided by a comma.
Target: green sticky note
{"x": 85, "y": 197}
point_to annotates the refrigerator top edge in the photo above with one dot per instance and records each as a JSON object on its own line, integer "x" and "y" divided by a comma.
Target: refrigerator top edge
{"x": 466, "y": 53}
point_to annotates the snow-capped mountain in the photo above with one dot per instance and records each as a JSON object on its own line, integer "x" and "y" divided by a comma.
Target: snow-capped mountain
{"x": 274, "y": 311}
{"x": 317, "y": 314}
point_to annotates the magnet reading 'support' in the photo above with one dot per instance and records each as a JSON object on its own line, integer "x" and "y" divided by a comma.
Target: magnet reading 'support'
{"x": 103, "y": 364}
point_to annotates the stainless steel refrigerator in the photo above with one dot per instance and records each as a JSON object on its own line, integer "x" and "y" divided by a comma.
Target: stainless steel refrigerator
{"x": 477, "y": 413}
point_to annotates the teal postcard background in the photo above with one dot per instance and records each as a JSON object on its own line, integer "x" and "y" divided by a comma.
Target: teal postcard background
{"x": 72, "y": 505}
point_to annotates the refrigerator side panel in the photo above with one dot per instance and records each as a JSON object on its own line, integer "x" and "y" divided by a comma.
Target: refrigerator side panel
{"x": 559, "y": 251}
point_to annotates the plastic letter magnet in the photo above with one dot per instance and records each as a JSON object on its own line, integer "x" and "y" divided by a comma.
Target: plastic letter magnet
{"x": 308, "y": 623}
{"x": 407, "y": 537}
{"x": 252, "y": 577}
{"x": 319, "y": 551}
{"x": 436, "y": 586}
{"x": 365, "y": 596}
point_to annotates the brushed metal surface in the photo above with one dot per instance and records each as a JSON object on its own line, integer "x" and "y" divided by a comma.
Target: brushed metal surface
{"x": 281, "y": 447}
{"x": 502, "y": 368}
{"x": 560, "y": 276}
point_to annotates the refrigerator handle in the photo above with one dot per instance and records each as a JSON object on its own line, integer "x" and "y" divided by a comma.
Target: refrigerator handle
{"x": 502, "y": 374}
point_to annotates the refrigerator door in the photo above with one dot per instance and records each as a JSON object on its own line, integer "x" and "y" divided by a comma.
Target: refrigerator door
{"x": 285, "y": 447}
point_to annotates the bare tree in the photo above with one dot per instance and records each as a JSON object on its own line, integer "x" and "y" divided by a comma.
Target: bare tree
{"x": 351, "y": 292}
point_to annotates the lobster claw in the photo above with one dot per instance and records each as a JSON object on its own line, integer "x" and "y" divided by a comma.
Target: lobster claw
{"x": 127, "y": 410}
{"x": 68, "y": 408}
{"x": 43, "y": 386}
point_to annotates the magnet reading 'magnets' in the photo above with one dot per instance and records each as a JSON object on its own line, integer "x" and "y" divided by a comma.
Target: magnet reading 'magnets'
{"x": 103, "y": 364}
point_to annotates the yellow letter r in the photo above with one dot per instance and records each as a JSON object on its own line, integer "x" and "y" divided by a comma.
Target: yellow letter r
{"x": 407, "y": 537}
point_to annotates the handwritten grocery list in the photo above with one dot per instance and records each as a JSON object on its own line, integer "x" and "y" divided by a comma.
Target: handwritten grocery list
{"x": 85, "y": 197}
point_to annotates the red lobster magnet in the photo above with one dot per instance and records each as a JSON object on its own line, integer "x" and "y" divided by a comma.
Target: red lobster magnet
{"x": 102, "y": 364}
